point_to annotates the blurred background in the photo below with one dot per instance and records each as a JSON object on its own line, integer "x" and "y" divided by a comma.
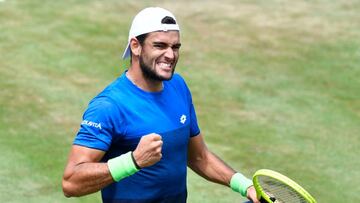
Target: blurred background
{"x": 275, "y": 84}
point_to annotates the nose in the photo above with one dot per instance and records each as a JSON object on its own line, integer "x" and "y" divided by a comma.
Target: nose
{"x": 169, "y": 53}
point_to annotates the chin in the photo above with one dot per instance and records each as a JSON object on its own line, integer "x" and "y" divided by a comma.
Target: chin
{"x": 166, "y": 78}
{"x": 166, "y": 75}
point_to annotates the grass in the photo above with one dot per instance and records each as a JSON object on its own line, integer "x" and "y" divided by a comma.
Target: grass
{"x": 275, "y": 84}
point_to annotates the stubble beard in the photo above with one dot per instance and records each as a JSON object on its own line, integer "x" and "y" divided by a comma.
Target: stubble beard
{"x": 150, "y": 73}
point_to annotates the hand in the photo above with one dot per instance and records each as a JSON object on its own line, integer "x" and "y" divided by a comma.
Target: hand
{"x": 251, "y": 194}
{"x": 148, "y": 151}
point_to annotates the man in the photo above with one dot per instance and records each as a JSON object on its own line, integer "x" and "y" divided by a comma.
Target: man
{"x": 140, "y": 133}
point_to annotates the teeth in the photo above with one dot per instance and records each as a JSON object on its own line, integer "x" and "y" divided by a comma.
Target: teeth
{"x": 164, "y": 65}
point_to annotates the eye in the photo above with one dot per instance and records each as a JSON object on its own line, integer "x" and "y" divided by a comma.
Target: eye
{"x": 176, "y": 47}
{"x": 160, "y": 45}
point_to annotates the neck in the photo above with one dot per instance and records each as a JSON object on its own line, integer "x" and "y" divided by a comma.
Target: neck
{"x": 137, "y": 78}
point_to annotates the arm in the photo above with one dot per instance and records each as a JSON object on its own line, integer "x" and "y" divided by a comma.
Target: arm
{"x": 205, "y": 163}
{"x": 83, "y": 172}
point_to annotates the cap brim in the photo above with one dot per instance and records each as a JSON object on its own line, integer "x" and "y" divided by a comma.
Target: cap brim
{"x": 126, "y": 53}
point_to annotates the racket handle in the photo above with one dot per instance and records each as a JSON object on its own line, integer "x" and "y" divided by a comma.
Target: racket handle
{"x": 261, "y": 201}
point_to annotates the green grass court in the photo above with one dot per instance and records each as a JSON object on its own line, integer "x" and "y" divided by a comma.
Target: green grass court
{"x": 275, "y": 83}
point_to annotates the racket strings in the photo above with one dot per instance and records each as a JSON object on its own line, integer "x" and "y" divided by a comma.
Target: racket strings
{"x": 280, "y": 191}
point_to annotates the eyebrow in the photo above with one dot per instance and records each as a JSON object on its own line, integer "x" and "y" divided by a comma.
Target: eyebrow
{"x": 166, "y": 44}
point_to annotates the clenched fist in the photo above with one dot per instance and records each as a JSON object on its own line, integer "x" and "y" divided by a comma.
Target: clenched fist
{"x": 148, "y": 151}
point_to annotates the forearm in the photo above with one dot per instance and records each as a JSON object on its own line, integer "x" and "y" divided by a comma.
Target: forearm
{"x": 209, "y": 166}
{"x": 212, "y": 168}
{"x": 86, "y": 178}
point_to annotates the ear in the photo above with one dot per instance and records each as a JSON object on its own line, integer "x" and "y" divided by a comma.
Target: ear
{"x": 135, "y": 47}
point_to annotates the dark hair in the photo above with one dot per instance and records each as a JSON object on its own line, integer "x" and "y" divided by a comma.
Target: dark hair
{"x": 168, "y": 20}
{"x": 141, "y": 38}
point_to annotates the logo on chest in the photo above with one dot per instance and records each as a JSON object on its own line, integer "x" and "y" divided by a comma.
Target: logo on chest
{"x": 183, "y": 119}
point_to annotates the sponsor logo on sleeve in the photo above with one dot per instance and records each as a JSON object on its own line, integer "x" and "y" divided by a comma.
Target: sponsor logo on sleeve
{"x": 91, "y": 124}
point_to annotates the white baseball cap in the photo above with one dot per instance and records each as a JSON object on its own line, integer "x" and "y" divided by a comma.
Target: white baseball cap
{"x": 149, "y": 20}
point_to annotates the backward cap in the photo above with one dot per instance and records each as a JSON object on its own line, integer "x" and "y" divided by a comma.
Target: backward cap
{"x": 149, "y": 20}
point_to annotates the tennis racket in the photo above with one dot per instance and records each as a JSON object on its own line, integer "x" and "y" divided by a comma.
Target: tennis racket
{"x": 273, "y": 187}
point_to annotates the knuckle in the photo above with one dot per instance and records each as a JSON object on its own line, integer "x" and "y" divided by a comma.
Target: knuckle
{"x": 157, "y": 136}
{"x": 153, "y": 145}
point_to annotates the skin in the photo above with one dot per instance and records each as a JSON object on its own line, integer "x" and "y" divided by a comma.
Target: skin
{"x": 157, "y": 57}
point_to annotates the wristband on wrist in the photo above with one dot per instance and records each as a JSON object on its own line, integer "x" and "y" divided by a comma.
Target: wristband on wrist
{"x": 122, "y": 166}
{"x": 239, "y": 183}
{"x": 136, "y": 165}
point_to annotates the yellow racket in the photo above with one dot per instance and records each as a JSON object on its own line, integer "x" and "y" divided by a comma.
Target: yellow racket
{"x": 273, "y": 187}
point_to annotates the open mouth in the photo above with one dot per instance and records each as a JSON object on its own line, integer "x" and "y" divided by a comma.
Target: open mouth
{"x": 164, "y": 65}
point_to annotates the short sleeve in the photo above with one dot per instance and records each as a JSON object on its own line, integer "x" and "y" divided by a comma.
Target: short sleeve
{"x": 194, "y": 127}
{"x": 97, "y": 128}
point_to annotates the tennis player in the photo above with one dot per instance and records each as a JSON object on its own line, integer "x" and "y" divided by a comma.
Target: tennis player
{"x": 140, "y": 133}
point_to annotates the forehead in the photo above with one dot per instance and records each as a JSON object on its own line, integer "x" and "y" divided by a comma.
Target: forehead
{"x": 172, "y": 37}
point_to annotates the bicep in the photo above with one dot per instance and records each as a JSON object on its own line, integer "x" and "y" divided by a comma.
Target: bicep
{"x": 197, "y": 148}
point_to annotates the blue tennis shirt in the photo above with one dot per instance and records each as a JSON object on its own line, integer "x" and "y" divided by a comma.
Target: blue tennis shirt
{"x": 120, "y": 115}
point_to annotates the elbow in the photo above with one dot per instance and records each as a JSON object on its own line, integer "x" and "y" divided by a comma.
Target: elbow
{"x": 66, "y": 194}
{"x": 68, "y": 189}
{"x": 194, "y": 161}
{"x": 197, "y": 162}
{"x": 197, "y": 158}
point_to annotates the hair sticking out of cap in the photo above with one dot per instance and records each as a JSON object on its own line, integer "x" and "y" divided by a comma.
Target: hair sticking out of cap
{"x": 168, "y": 20}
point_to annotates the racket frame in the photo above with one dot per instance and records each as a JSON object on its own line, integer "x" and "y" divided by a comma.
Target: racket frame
{"x": 285, "y": 180}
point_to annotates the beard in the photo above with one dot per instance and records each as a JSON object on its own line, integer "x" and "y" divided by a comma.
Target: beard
{"x": 150, "y": 73}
